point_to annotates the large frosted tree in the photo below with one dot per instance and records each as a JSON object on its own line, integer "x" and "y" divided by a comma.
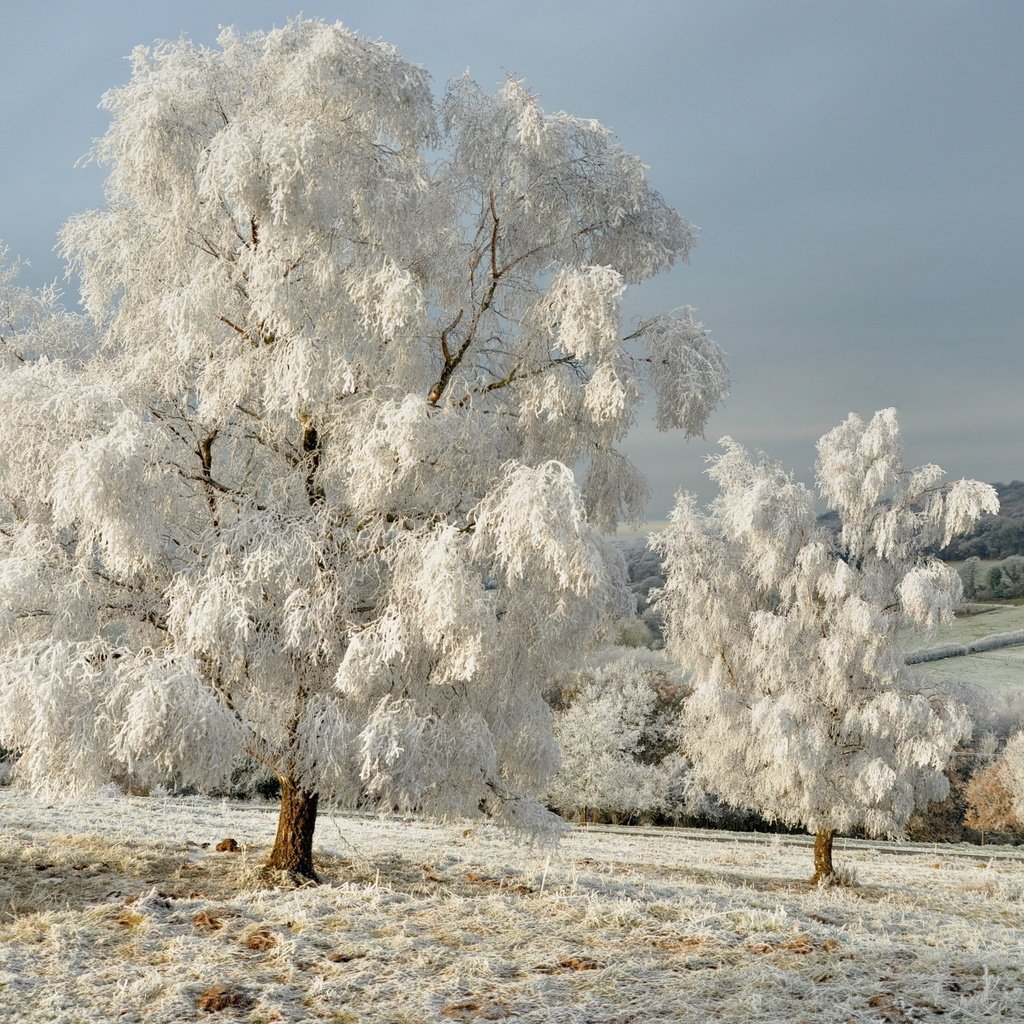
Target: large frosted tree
{"x": 803, "y": 707}
{"x": 308, "y": 499}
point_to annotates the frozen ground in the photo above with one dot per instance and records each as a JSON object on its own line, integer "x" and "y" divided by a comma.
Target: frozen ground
{"x": 112, "y": 909}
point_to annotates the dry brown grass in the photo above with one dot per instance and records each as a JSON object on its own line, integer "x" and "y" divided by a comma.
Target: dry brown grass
{"x": 73, "y": 872}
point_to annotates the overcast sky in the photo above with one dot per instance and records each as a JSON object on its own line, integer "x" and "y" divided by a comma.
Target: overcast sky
{"x": 856, "y": 170}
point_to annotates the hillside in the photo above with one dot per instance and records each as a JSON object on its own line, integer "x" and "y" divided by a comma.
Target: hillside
{"x": 115, "y": 910}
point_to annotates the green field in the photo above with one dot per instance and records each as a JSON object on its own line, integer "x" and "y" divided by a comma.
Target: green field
{"x": 1001, "y": 670}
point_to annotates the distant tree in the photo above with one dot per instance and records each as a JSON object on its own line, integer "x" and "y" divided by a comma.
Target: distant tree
{"x": 1001, "y": 580}
{"x": 990, "y": 801}
{"x": 1012, "y": 572}
{"x": 803, "y": 708}
{"x": 615, "y": 726}
{"x": 997, "y": 583}
{"x": 970, "y": 575}
{"x": 307, "y": 501}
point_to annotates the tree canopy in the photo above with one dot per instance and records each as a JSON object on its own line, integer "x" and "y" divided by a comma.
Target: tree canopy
{"x": 803, "y": 708}
{"x": 305, "y": 497}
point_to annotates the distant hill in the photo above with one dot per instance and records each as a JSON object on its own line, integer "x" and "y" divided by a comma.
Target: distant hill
{"x": 1011, "y": 498}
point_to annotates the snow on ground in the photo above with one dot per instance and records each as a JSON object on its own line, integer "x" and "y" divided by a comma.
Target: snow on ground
{"x": 112, "y": 909}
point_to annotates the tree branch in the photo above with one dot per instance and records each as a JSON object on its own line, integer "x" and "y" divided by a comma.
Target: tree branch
{"x": 205, "y": 450}
{"x": 311, "y": 446}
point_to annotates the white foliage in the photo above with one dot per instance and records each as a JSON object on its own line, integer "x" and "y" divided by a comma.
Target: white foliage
{"x": 582, "y": 306}
{"x": 927, "y": 594}
{"x": 171, "y": 722}
{"x": 112, "y": 488}
{"x": 41, "y": 346}
{"x": 33, "y": 325}
{"x": 536, "y": 526}
{"x": 326, "y": 748}
{"x": 805, "y": 709}
{"x": 616, "y": 736}
{"x": 1012, "y": 760}
{"x": 314, "y": 464}
{"x": 440, "y": 591}
{"x": 688, "y": 370}
{"x": 52, "y": 700}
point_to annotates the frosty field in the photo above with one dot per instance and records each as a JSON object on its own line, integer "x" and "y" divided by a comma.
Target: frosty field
{"x": 114, "y": 910}
{"x": 1001, "y": 670}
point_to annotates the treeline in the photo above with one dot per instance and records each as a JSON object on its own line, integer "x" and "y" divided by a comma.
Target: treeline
{"x": 999, "y": 581}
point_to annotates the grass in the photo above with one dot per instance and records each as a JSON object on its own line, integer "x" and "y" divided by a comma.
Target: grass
{"x": 117, "y": 912}
{"x": 999, "y": 672}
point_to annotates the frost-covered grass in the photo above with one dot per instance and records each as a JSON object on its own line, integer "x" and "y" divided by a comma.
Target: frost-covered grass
{"x": 1001, "y": 671}
{"x": 997, "y": 618}
{"x": 113, "y": 910}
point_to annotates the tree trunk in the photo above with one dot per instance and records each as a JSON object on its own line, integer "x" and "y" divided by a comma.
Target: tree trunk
{"x": 822, "y": 855}
{"x": 293, "y": 844}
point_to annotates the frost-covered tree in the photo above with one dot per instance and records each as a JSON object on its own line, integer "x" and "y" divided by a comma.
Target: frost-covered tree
{"x": 309, "y": 500}
{"x": 615, "y": 726}
{"x": 803, "y": 708}
{"x": 1011, "y": 763}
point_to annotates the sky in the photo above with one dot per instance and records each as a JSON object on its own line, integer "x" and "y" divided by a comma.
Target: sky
{"x": 856, "y": 171}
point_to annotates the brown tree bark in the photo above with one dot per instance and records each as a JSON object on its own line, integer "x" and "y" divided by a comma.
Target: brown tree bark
{"x": 293, "y": 844}
{"x": 822, "y": 855}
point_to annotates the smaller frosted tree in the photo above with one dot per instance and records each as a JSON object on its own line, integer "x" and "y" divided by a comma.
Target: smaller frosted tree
{"x": 804, "y": 709}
